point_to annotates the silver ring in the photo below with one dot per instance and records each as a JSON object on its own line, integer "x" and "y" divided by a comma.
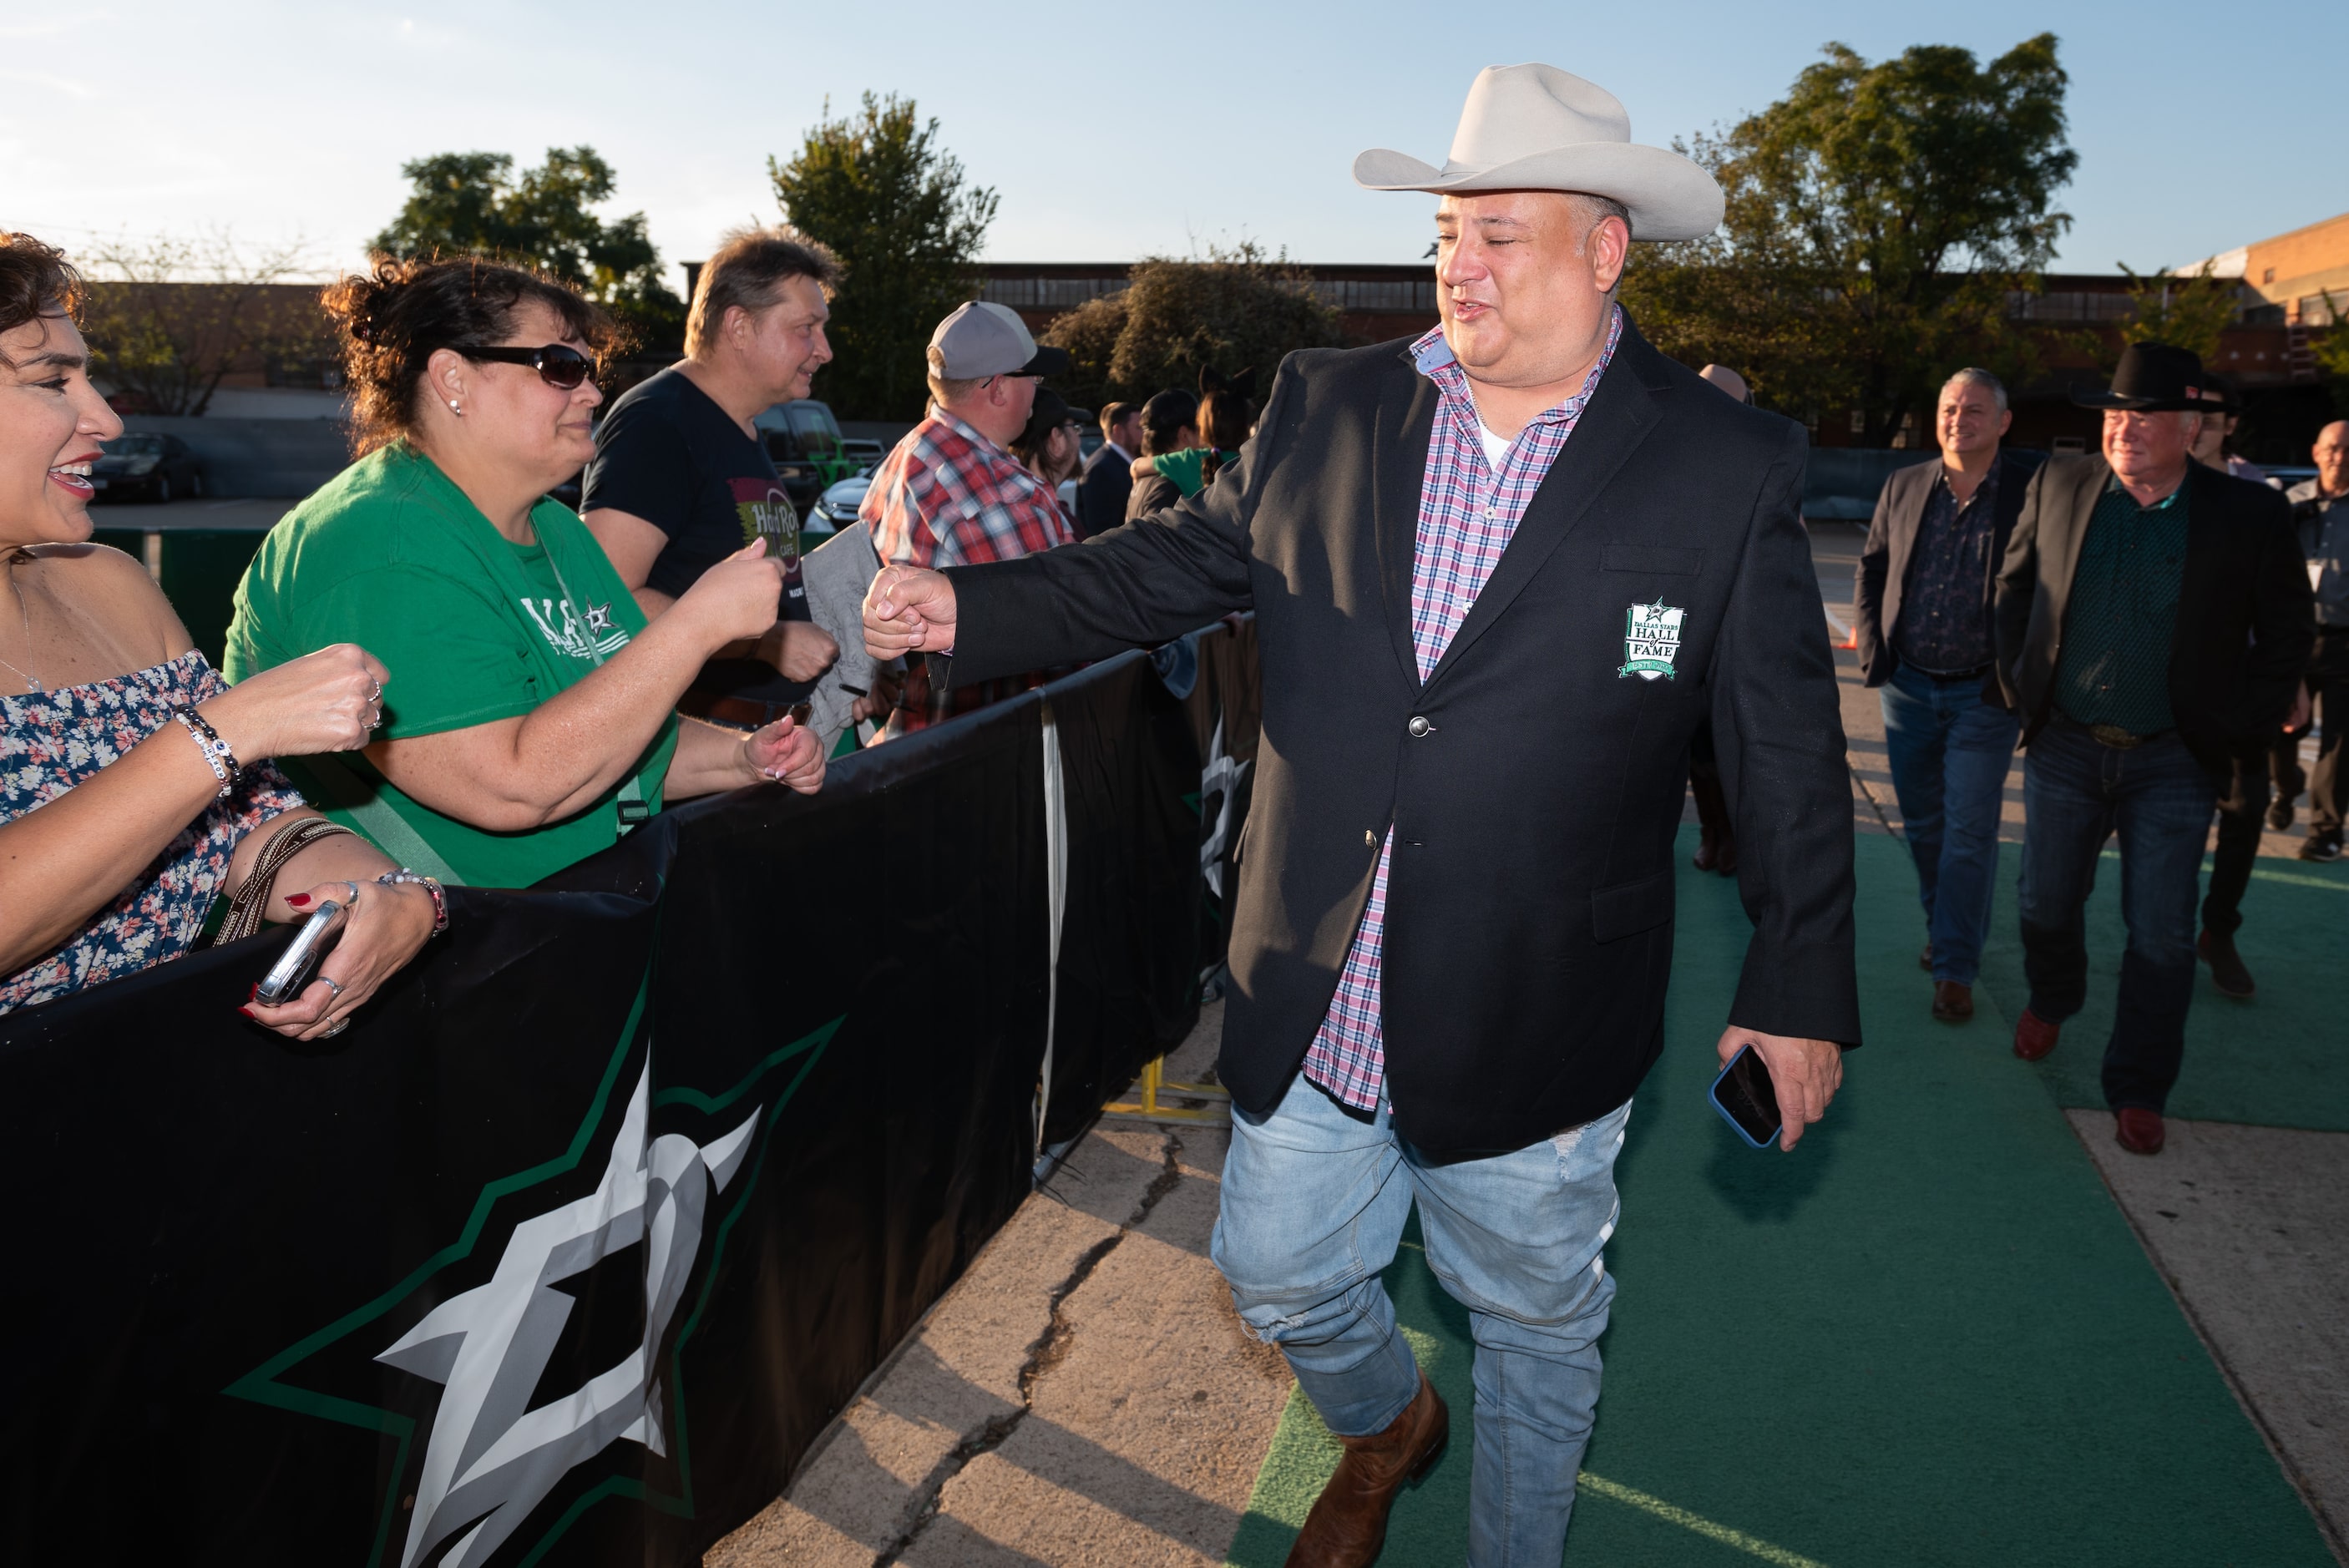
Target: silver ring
{"x": 332, "y": 985}
{"x": 376, "y": 695}
{"x": 340, "y": 1025}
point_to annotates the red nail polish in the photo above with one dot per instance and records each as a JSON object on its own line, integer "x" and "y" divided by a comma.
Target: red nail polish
{"x": 298, "y": 899}
{"x": 246, "y": 1012}
{"x": 254, "y": 994}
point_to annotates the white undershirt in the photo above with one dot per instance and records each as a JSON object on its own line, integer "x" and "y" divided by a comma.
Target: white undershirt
{"x": 1495, "y": 447}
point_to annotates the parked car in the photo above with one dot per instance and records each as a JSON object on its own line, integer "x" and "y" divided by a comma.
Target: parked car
{"x": 834, "y": 509}
{"x": 864, "y": 450}
{"x": 803, "y": 439}
{"x": 148, "y": 466}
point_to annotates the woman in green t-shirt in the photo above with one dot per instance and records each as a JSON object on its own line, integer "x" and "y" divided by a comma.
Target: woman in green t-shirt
{"x": 533, "y": 718}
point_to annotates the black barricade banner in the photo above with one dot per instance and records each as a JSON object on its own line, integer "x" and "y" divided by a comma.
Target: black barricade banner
{"x": 568, "y": 1248}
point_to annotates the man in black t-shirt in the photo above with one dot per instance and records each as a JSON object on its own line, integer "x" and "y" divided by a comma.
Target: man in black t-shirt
{"x": 681, "y": 481}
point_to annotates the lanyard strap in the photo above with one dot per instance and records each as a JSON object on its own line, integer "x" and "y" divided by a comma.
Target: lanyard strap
{"x": 632, "y": 807}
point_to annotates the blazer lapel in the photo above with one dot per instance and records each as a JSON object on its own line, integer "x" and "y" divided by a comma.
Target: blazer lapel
{"x": 1406, "y": 422}
{"x": 1621, "y": 414}
{"x": 2076, "y": 518}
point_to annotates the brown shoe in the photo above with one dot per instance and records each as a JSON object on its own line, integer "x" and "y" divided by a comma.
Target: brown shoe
{"x": 1348, "y": 1521}
{"x": 2227, "y": 971}
{"x": 2034, "y": 1036}
{"x": 2138, "y": 1130}
{"x": 1952, "y": 1003}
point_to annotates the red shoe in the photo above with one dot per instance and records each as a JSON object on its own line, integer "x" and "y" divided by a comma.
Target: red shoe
{"x": 2137, "y": 1129}
{"x": 2034, "y": 1036}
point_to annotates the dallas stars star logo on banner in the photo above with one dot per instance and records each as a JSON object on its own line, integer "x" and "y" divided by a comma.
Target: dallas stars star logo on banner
{"x": 498, "y": 1441}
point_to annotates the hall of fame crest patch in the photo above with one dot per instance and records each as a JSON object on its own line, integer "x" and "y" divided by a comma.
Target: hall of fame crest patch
{"x": 1651, "y": 637}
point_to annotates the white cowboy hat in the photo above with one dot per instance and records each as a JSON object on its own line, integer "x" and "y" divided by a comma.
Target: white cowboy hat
{"x": 1536, "y": 127}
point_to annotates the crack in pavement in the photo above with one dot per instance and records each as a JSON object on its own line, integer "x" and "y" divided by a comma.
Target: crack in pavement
{"x": 1046, "y": 1351}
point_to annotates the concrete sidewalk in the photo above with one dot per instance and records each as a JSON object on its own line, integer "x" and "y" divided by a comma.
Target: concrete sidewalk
{"x": 1084, "y": 1394}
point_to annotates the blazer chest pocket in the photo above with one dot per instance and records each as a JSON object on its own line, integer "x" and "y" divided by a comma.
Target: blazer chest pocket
{"x": 1650, "y": 559}
{"x": 1629, "y": 908}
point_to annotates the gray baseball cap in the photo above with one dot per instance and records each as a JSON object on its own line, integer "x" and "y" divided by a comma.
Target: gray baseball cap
{"x": 980, "y": 340}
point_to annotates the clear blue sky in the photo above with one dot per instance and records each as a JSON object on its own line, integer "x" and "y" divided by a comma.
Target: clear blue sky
{"x": 2199, "y": 126}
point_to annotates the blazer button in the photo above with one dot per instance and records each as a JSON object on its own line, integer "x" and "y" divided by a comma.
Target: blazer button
{"x": 1419, "y": 725}
{"x": 1370, "y": 840}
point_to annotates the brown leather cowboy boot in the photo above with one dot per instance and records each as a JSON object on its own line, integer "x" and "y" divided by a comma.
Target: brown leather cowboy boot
{"x": 1348, "y": 1521}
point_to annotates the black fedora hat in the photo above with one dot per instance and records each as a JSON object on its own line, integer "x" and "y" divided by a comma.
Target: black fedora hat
{"x": 2155, "y": 377}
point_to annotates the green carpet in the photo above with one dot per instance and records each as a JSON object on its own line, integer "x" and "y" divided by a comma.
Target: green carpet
{"x": 2281, "y": 1059}
{"x": 1926, "y": 1336}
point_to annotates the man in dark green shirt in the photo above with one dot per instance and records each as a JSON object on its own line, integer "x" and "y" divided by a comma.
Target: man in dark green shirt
{"x": 2113, "y": 670}
{"x": 2152, "y": 613}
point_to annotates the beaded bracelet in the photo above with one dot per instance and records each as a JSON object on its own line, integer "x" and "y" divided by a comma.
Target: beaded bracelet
{"x": 217, "y": 754}
{"x": 431, "y": 887}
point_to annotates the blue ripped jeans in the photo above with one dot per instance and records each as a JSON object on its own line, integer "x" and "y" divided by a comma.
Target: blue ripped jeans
{"x": 1314, "y": 1202}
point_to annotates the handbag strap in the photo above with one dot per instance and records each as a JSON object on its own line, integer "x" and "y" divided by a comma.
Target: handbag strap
{"x": 251, "y": 905}
{"x": 343, "y": 790}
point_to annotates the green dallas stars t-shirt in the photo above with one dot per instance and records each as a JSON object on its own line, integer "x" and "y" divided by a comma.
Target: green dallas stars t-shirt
{"x": 472, "y": 627}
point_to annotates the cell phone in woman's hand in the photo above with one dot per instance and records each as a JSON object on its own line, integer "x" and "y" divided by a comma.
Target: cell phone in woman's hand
{"x": 298, "y": 965}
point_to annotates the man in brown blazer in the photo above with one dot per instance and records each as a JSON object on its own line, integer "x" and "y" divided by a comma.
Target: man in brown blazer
{"x": 2152, "y": 614}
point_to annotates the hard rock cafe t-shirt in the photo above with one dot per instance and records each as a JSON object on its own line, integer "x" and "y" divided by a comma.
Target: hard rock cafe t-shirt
{"x": 669, "y": 455}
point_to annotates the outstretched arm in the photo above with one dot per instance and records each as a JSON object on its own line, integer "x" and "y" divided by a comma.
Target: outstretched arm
{"x": 1150, "y": 581}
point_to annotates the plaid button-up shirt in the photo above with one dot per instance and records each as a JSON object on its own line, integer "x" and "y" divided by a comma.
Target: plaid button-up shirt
{"x": 1466, "y": 516}
{"x": 947, "y": 496}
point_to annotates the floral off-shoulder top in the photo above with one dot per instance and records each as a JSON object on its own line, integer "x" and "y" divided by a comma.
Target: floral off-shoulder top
{"x": 51, "y": 742}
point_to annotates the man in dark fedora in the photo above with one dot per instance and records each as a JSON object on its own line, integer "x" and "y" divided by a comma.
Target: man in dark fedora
{"x": 1928, "y": 576}
{"x": 2153, "y": 615}
{"x": 1454, "y": 925}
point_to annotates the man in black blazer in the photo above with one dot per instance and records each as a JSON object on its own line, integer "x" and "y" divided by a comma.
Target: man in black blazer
{"x": 1928, "y": 577}
{"x": 1501, "y": 576}
{"x": 1108, "y": 478}
{"x": 2153, "y": 618}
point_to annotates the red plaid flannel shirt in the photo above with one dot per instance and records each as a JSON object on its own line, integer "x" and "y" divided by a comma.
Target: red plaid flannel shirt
{"x": 1467, "y": 514}
{"x": 947, "y": 496}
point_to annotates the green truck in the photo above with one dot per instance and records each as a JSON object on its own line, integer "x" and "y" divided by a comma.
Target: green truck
{"x": 803, "y": 439}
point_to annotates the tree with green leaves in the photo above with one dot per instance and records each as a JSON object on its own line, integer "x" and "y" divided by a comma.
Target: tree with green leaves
{"x": 472, "y": 204}
{"x": 1882, "y": 218}
{"x": 2183, "y": 312}
{"x": 168, "y": 319}
{"x": 897, "y": 209}
{"x": 2329, "y": 346}
{"x": 1237, "y": 309}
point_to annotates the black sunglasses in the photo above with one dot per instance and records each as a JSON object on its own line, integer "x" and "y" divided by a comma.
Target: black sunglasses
{"x": 556, "y": 365}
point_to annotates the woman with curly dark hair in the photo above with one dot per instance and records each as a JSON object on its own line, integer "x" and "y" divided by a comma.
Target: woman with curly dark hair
{"x": 135, "y": 785}
{"x": 534, "y": 721}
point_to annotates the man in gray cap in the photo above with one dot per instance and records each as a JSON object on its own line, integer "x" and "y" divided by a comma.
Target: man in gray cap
{"x": 1454, "y": 926}
{"x": 952, "y": 493}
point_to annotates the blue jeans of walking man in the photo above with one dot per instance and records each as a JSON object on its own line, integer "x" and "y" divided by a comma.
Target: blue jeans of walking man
{"x": 1949, "y": 751}
{"x": 2076, "y": 793}
{"x": 1314, "y": 1201}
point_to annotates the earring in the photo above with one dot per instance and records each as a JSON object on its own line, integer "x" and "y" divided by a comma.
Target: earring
{"x": 454, "y": 409}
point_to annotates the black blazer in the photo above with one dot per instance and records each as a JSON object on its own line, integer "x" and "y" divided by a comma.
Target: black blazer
{"x": 1534, "y": 790}
{"x": 2245, "y": 618}
{"x": 1883, "y": 574}
{"x": 1101, "y": 493}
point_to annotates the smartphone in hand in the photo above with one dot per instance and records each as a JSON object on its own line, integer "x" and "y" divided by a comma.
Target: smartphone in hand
{"x": 1746, "y": 1100}
{"x": 298, "y": 965}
